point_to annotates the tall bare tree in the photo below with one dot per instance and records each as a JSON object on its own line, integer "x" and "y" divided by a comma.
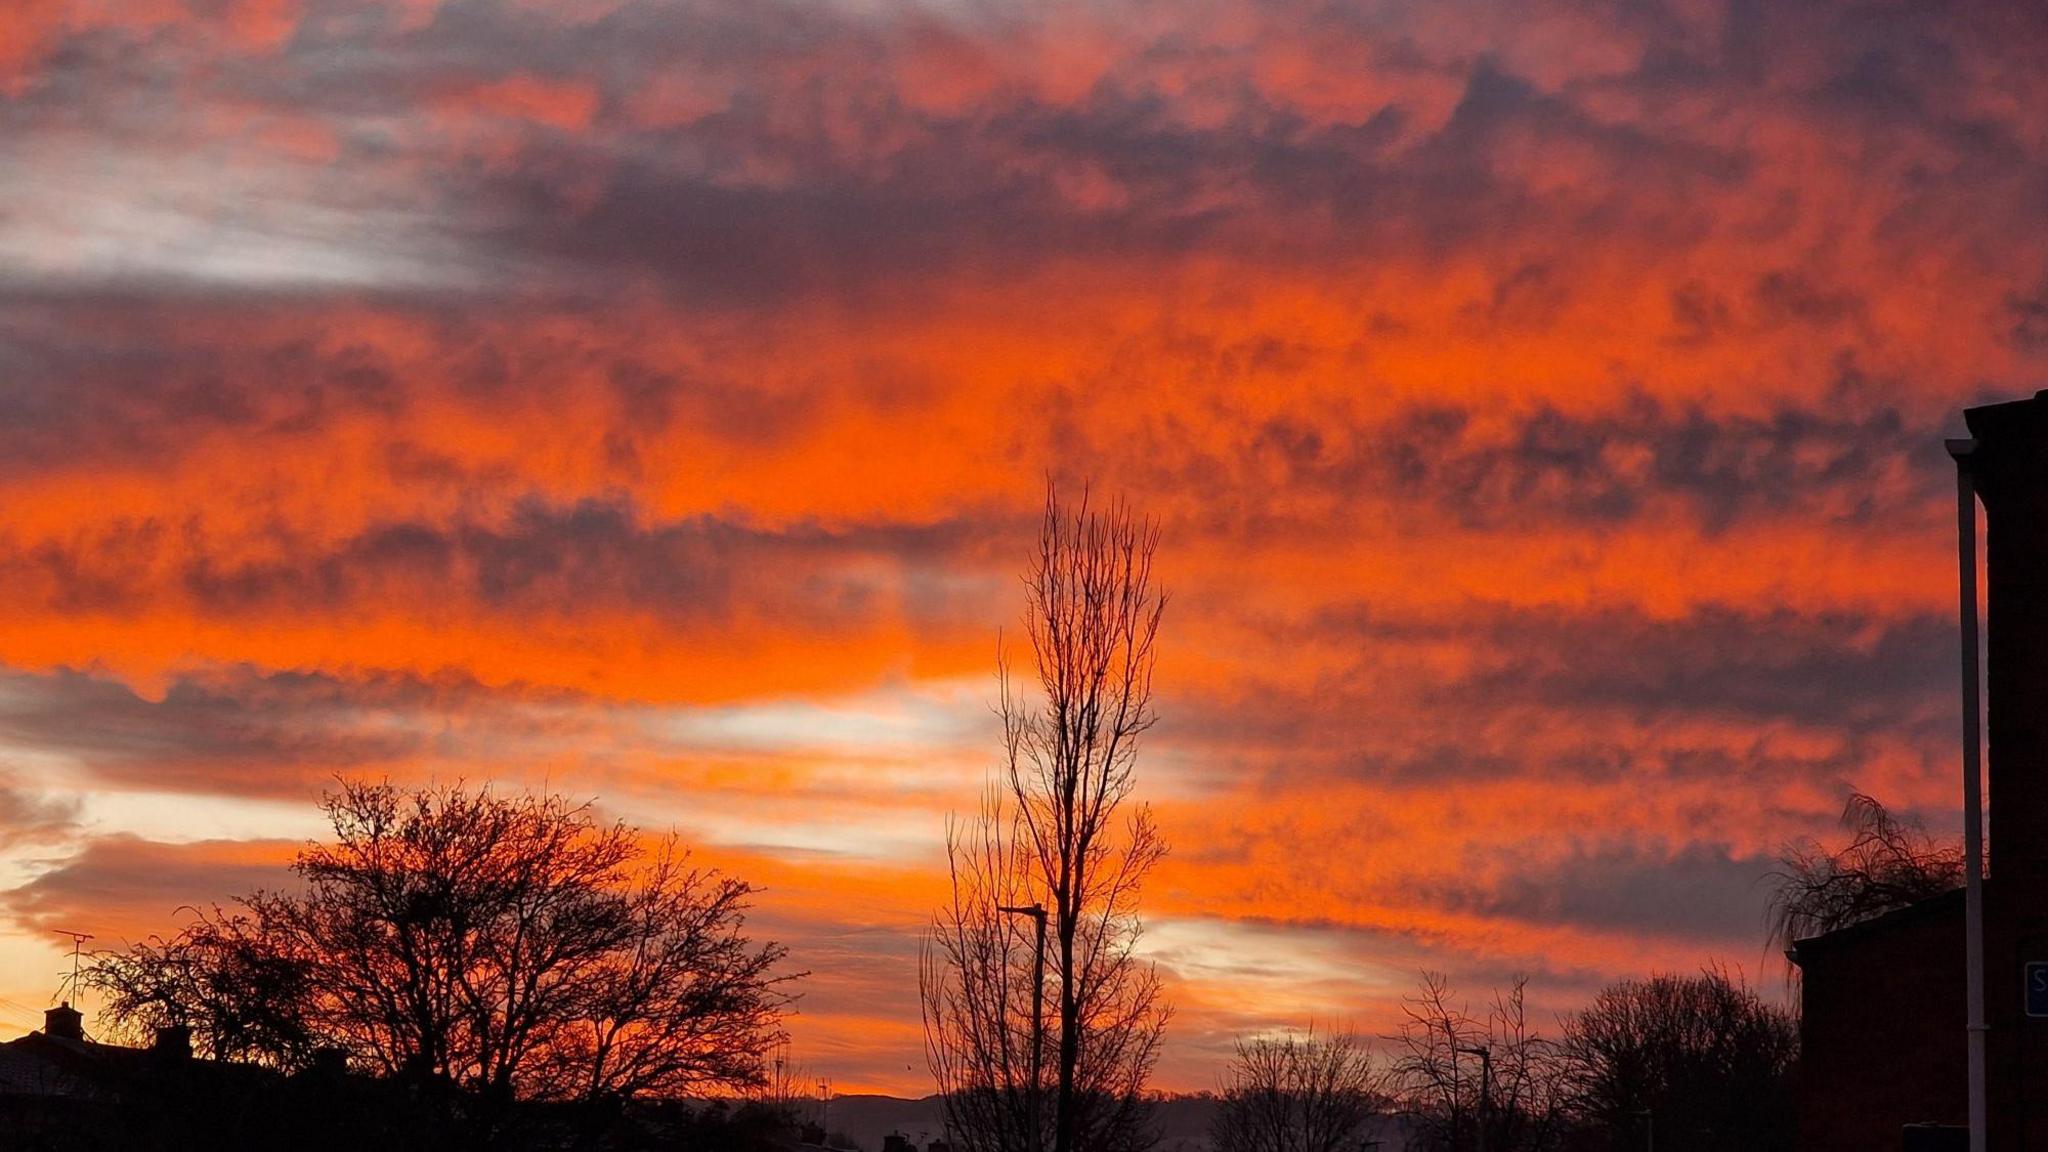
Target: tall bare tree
{"x": 1304, "y": 1093}
{"x": 1058, "y": 832}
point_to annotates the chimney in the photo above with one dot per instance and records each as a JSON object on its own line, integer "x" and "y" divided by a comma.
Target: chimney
{"x": 173, "y": 1042}
{"x": 2010, "y": 466}
{"x": 329, "y": 1064}
{"x": 64, "y": 1022}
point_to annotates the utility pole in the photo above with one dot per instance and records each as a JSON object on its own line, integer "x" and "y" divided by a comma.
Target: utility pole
{"x": 1963, "y": 452}
{"x": 1037, "y": 913}
{"x": 1485, "y": 1054}
{"x": 1451, "y": 1037}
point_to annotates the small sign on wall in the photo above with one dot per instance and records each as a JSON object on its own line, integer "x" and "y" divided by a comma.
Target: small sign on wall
{"x": 2037, "y": 988}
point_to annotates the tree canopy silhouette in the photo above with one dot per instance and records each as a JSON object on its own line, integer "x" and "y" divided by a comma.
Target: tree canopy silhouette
{"x": 511, "y": 946}
{"x": 1305, "y": 1093}
{"x": 1887, "y": 864}
{"x": 1700, "y": 1057}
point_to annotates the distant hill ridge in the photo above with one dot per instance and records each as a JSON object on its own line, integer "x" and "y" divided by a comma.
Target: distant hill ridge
{"x": 1183, "y": 1120}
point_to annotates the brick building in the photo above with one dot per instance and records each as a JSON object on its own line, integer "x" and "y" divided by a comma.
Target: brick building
{"x": 1883, "y": 1016}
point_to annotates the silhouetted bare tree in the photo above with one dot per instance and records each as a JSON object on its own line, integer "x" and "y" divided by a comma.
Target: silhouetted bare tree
{"x": 1450, "y": 1090}
{"x": 510, "y": 946}
{"x": 1888, "y": 863}
{"x": 1057, "y": 831}
{"x": 1303, "y": 1093}
{"x": 1702, "y": 1058}
{"x": 1438, "y": 1081}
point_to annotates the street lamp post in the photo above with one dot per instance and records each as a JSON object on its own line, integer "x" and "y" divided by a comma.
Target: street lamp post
{"x": 1485, "y": 1054}
{"x": 1037, "y": 913}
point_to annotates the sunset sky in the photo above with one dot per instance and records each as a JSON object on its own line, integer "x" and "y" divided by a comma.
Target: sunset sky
{"x": 652, "y": 400}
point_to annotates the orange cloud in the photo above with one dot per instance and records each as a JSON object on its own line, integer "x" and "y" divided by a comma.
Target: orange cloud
{"x": 563, "y": 105}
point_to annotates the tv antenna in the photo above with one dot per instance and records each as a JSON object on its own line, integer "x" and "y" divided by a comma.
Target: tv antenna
{"x": 70, "y": 982}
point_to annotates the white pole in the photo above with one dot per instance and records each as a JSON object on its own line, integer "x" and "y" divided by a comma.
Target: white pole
{"x": 1973, "y": 806}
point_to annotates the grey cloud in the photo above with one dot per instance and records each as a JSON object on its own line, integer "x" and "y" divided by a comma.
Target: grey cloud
{"x": 238, "y": 729}
{"x": 129, "y": 881}
{"x": 541, "y": 560}
{"x": 2027, "y": 319}
{"x": 1702, "y": 893}
{"x": 592, "y": 555}
{"x": 29, "y": 817}
{"x": 1858, "y": 460}
{"x": 869, "y": 193}
{"x": 1587, "y": 695}
{"x": 875, "y": 225}
{"x": 125, "y": 381}
{"x": 1837, "y": 670}
{"x": 1839, "y": 464}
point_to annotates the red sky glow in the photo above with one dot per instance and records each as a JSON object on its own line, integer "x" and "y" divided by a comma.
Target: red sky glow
{"x": 652, "y": 399}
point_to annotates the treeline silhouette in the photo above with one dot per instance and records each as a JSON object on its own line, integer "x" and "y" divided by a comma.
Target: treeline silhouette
{"x": 462, "y": 969}
{"x": 1690, "y": 1062}
{"x": 1671, "y": 1062}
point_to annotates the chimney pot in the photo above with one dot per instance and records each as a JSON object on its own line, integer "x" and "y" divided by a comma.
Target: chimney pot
{"x": 173, "y": 1041}
{"x": 328, "y": 1063}
{"x": 64, "y": 1022}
